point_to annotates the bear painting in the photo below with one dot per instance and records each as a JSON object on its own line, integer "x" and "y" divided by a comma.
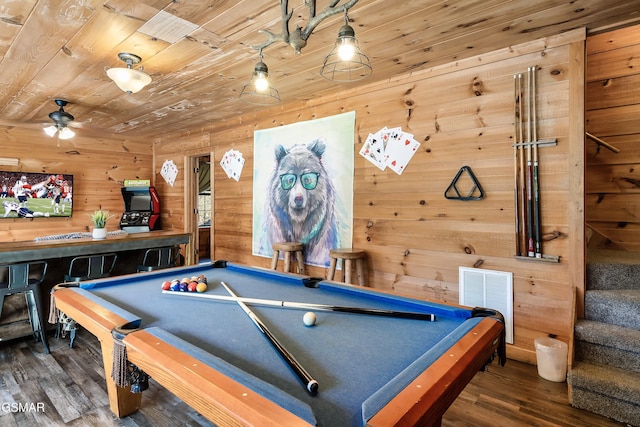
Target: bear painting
{"x": 301, "y": 201}
{"x": 303, "y": 181}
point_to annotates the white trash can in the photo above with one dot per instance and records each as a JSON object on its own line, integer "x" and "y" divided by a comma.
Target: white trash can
{"x": 551, "y": 357}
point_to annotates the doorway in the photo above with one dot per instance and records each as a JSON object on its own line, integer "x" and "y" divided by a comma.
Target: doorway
{"x": 199, "y": 206}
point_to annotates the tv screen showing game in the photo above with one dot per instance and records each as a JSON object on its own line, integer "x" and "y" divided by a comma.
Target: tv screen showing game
{"x": 36, "y": 195}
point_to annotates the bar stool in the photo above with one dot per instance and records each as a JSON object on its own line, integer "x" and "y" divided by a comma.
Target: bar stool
{"x": 159, "y": 258}
{"x": 347, "y": 255}
{"x": 26, "y": 278}
{"x": 90, "y": 267}
{"x": 83, "y": 268}
{"x": 288, "y": 248}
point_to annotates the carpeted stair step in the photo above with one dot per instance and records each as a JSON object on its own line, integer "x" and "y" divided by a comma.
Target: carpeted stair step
{"x": 609, "y": 345}
{"x": 617, "y": 307}
{"x": 610, "y": 270}
{"x": 611, "y": 392}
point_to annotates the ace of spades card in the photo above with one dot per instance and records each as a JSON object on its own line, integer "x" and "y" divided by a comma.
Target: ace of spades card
{"x": 399, "y": 151}
{"x": 373, "y": 150}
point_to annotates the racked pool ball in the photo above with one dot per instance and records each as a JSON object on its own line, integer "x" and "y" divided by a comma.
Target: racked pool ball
{"x": 183, "y": 286}
{"x": 201, "y": 287}
{"x": 175, "y": 286}
{"x": 192, "y": 286}
{"x": 203, "y": 278}
{"x": 166, "y": 285}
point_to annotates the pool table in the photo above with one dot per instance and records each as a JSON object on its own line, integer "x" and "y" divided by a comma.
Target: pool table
{"x": 371, "y": 369}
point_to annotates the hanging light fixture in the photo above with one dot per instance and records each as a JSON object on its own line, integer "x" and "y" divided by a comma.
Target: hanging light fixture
{"x": 346, "y": 62}
{"x": 64, "y": 131}
{"x": 61, "y": 119}
{"x": 258, "y": 90}
{"x": 129, "y": 79}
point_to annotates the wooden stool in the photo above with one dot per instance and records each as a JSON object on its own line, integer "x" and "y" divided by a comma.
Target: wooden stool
{"x": 288, "y": 248}
{"x": 347, "y": 256}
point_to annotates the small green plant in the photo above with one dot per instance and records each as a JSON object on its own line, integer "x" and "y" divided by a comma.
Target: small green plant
{"x": 100, "y": 218}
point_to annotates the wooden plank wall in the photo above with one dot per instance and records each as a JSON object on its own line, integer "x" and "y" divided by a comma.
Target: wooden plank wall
{"x": 612, "y": 110}
{"x": 415, "y": 239}
{"x": 99, "y": 167}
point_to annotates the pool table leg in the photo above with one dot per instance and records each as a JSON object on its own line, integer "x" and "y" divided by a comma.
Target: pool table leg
{"x": 121, "y": 401}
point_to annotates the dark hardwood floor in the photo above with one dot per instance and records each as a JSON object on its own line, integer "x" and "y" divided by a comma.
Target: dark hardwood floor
{"x": 66, "y": 388}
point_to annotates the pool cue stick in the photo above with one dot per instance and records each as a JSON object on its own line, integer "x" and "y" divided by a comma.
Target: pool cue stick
{"x": 311, "y": 385}
{"x": 536, "y": 184}
{"x": 516, "y": 140}
{"x": 530, "y": 249}
{"x": 523, "y": 191}
{"x": 311, "y": 306}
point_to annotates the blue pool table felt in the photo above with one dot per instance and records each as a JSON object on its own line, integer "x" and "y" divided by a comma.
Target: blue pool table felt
{"x": 359, "y": 361}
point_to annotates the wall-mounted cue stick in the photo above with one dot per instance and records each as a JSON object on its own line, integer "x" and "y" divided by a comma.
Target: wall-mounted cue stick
{"x": 311, "y": 385}
{"x": 311, "y": 306}
{"x": 530, "y": 248}
{"x": 536, "y": 185}
{"x": 523, "y": 191}
{"x": 516, "y": 142}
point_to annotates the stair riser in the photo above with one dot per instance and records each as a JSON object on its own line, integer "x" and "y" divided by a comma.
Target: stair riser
{"x": 618, "y": 410}
{"x": 613, "y": 276}
{"x": 614, "y": 312}
{"x": 607, "y": 356}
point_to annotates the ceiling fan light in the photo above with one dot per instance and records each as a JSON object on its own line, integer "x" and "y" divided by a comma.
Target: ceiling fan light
{"x": 51, "y": 130}
{"x": 66, "y": 133}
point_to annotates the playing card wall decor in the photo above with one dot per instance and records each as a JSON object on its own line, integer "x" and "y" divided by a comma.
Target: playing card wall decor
{"x": 390, "y": 147}
{"x": 232, "y": 163}
{"x": 169, "y": 172}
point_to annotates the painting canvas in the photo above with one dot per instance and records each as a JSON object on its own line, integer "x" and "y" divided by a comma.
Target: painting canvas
{"x": 303, "y": 186}
{"x": 35, "y": 195}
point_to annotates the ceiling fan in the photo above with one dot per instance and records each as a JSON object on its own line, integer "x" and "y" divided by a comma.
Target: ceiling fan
{"x": 61, "y": 120}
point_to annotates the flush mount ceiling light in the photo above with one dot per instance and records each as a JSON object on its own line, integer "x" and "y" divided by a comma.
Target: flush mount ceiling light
{"x": 61, "y": 121}
{"x": 129, "y": 79}
{"x": 346, "y": 62}
{"x": 259, "y": 90}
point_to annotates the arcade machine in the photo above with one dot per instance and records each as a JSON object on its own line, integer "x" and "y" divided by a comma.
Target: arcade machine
{"x": 141, "y": 207}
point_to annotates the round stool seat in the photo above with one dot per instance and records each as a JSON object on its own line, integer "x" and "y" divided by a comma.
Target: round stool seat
{"x": 347, "y": 255}
{"x": 288, "y": 248}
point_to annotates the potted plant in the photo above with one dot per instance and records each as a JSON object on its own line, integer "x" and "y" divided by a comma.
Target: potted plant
{"x": 99, "y": 219}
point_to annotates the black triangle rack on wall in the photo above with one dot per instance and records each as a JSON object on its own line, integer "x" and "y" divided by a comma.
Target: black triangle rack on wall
{"x": 474, "y": 192}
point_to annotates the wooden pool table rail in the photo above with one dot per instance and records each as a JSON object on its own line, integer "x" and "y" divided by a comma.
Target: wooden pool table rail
{"x": 219, "y": 398}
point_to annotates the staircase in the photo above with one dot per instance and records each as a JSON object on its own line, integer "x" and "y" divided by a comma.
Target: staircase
{"x": 605, "y": 378}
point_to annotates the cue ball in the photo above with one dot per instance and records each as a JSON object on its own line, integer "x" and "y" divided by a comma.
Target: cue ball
{"x": 309, "y": 319}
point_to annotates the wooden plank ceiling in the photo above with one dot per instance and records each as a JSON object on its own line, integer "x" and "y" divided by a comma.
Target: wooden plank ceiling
{"x": 199, "y": 52}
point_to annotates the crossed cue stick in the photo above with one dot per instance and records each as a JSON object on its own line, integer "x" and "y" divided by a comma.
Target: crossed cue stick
{"x": 310, "y": 384}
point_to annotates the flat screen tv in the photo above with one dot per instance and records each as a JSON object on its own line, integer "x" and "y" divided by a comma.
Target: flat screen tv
{"x": 35, "y": 195}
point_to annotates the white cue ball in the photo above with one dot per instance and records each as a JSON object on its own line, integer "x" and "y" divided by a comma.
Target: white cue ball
{"x": 309, "y": 319}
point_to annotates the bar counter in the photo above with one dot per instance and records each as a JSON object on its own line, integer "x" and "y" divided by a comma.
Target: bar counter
{"x": 13, "y": 252}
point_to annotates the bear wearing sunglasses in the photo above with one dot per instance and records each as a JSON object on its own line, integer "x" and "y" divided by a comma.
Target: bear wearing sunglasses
{"x": 301, "y": 201}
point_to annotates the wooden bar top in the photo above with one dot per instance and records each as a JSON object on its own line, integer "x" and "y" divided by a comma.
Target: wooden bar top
{"x": 11, "y": 252}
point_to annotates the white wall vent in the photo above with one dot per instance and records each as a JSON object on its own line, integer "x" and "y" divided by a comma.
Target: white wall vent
{"x": 489, "y": 289}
